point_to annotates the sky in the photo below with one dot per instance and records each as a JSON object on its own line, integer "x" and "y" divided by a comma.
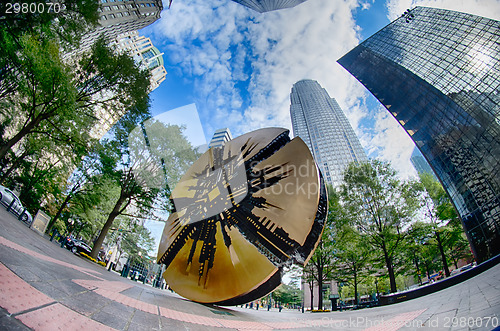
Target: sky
{"x": 237, "y": 66}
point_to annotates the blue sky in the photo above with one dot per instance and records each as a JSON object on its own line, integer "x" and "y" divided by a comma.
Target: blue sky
{"x": 238, "y": 66}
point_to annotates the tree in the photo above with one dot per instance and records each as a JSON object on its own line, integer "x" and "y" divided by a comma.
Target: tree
{"x": 439, "y": 211}
{"x": 380, "y": 206}
{"x": 136, "y": 243}
{"x": 93, "y": 202}
{"x": 53, "y": 111}
{"x": 419, "y": 235}
{"x": 64, "y": 26}
{"x": 37, "y": 180}
{"x": 320, "y": 266}
{"x": 286, "y": 294}
{"x": 309, "y": 279}
{"x": 87, "y": 182}
{"x": 350, "y": 255}
{"x": 59, "y": 101}
{"x": 131, "y": 163}
{"x": 351, "y": 258}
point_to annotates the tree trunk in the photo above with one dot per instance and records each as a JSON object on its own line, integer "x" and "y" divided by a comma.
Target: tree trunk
{"x": 311, "y": 289}
{"x": 390, "y": 269}
{"x": 109, "y": 222}
{"x": 14, "y": 166}
{"x": 59, "y": 211}
{"x": 15, "y": 139}
{"x": 443, "y": 256}
{"x": 418, "y": 272}
{"x": 355, "y": 274}
{"x": 418, "y": 269}
{"x": 320, "y": 288}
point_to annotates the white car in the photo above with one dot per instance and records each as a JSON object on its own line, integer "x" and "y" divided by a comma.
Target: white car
{"x": 14, "y": 205}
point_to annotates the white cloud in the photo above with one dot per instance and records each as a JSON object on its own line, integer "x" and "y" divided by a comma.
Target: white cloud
{"x": 212, "y": 41}
{"x": 391, "y": 143}
{"x": 486, "y": 8}
{"x": 293, "y": 44}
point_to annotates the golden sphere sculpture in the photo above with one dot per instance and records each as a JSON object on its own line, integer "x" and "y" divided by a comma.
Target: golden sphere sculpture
{"x": 242, "y": 212}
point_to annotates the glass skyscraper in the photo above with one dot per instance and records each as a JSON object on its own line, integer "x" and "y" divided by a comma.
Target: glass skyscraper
{"x": 420, "y": 164}
{"x": 321, "y": 123}
{"x": 267, "y": 5}
{"x": 438, "y": 73}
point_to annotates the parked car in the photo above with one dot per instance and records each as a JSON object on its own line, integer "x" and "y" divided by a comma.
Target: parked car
{"x": 467, "y": 267}
{"x": 77, "y": 246}
{"x": 9, "y": 199}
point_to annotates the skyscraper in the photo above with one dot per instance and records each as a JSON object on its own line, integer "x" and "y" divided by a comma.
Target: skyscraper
{"x": 438, "y": 73}
{"x": 268, "y": 5}
{"x": 321, "y": 123}
{"x": 420, "y": 164}
{"x": 118, "y": 17}
{"x": 144, "y": 53}
{"x": 220, "y": 137}
{"x": 146, "y": 56}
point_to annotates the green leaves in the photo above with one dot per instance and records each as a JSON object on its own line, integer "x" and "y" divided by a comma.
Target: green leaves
{"x": 381, "y": 207}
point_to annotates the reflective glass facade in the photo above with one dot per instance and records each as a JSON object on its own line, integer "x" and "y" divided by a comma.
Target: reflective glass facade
{"x": 438, "y": 73}
{"x": 268, "y": 5}
{"x": 420, "y": 164}
{"x": 321, "y": 123}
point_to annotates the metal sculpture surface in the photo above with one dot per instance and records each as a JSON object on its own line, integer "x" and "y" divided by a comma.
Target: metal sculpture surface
{"x": 243, "y": 211}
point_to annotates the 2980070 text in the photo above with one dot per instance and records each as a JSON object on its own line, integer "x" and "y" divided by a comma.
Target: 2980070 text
{"x": 32, "y": 8}
{"x": 487, "y": 321}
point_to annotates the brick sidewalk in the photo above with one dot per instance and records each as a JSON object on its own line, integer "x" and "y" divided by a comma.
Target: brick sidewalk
{"x": 45, "y": 287}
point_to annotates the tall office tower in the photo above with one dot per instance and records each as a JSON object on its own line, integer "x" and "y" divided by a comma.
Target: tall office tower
{"x": 268, "y": 5}
{"x": 144, "y": 53}
{"x": 220, "y": 137}
{"x": 438, "y": 73}
{"x": 121, "y": 16}
{"x": 420, "y": 164}
{"x": 147, "y": 57}
{"x": 321, "y": 123}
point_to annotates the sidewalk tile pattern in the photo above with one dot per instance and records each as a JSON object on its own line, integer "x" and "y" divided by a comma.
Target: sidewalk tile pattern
{"x": 397, "y": 322}
{"x": 58, "y": 317}
{"x": 16, "y": 295}
{"x": 40, "y": 312}
{"x": 42, "y": 257}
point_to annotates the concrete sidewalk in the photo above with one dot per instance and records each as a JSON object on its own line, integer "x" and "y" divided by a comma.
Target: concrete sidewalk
{"x": 46, "y": 287}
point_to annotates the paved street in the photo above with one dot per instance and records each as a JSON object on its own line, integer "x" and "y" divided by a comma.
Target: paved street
{"x": 45, "y": 287}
